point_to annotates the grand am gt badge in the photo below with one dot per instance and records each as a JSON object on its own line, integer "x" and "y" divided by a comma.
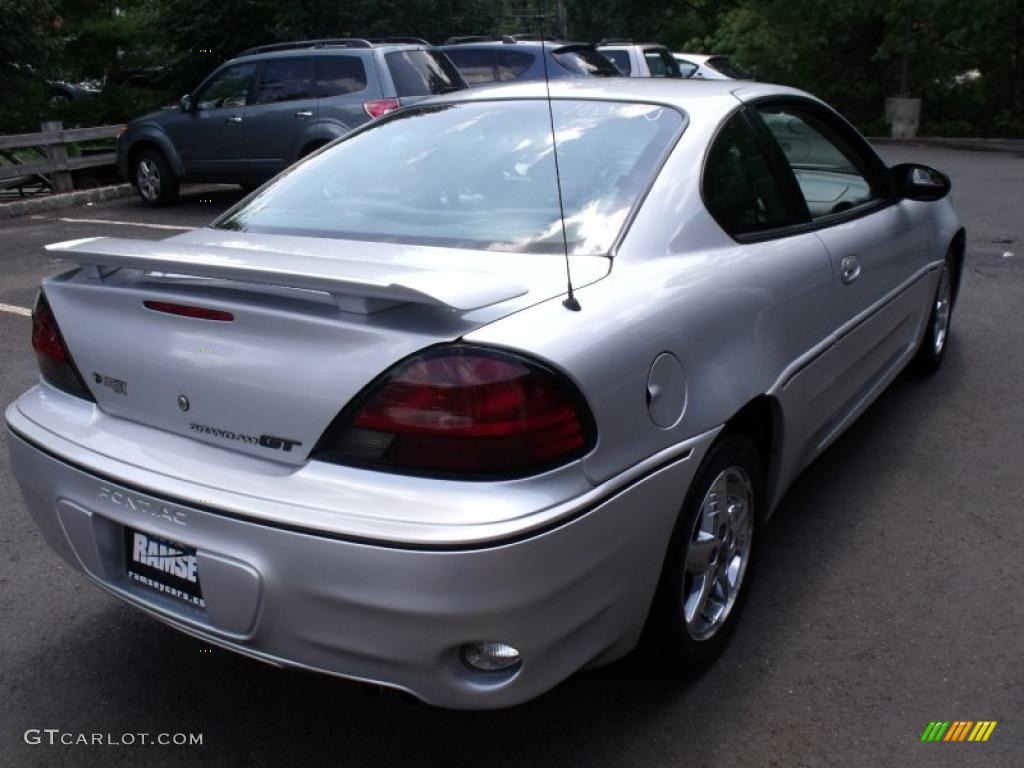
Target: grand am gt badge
{"x": 118, "y": 385}
{"x": 265, "y": 441}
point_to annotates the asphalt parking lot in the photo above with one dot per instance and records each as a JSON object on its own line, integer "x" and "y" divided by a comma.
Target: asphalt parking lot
{"x": 890, "y": 591}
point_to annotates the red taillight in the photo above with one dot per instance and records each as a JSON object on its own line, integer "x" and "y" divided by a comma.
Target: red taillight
{"x": 46, "y": 338}
{"x": 379, "y": 107}
{"x": 55, "y": 363}
{"x": 463, "y": 410}
{"x": 185, "y": 310}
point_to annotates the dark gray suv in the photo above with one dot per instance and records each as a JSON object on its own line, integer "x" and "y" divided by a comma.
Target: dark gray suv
{"x": 258, "y": 113}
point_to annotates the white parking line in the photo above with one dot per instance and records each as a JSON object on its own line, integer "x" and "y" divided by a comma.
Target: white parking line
{"x": 15, "y": 310}
{"x": 126, "y": 223}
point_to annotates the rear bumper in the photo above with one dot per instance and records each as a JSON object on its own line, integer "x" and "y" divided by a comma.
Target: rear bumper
{"x": 573, "y": 595}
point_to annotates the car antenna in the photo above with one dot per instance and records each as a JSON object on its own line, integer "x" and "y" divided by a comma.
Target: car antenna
{"x": 570, "y": 301}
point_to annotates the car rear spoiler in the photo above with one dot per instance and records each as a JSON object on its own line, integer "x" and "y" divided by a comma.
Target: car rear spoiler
{"x": 356, "y": 285}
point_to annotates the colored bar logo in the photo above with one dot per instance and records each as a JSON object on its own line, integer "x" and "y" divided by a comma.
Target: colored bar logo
{"x": 958, "y": 730}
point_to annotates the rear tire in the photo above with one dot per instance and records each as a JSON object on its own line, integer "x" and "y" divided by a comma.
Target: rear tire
{"x": 933, "y": 347}
{"x": 708, "y": 568}
{"x": 153, "y": 178}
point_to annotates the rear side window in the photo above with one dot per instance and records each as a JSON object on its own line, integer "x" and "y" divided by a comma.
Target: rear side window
{"x": 338, "y": 75}
{"x": 475, "y": 64}
{"x": 422, "y": 73}
{"x": 585, "y": 61}
{"x": 661, "y": 63}
{"x": 686, "y": 68}
{"x": 620, "y": 59}
{"x": 512, "y": 64}
{"x": 727, "y": 68}
{"x": 740, "y": 189}
{"x": 284, "y": 80}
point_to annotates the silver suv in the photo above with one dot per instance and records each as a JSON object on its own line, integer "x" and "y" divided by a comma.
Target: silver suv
{"x": 261, "y": 111}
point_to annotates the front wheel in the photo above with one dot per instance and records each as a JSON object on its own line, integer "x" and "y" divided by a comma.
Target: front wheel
{"x": 154, "y": 179}
{"x": 707, "y": 570}
{"x": 936, "y": 335}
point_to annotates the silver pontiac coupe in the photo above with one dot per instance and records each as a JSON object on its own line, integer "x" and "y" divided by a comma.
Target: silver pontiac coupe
{"x": 490, "y": 390}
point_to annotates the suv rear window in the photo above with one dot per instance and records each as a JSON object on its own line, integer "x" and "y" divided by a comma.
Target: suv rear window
{"x": 423, "y": 73}
{"x": 475, "y": 64}
{"x": 585, "y": 61}
{"x": 477, "y": 175}
{"x": 338, "y": 75}
{"x": 512, "y": 64}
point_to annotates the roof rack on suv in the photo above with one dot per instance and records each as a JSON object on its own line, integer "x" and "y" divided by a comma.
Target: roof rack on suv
{"x": 333, "y": 42}
{"x": 508, "y": 39}
{"x": 463, "y": 39}
{"x": 399, "y": 40}
{"x": 616, "y": 41}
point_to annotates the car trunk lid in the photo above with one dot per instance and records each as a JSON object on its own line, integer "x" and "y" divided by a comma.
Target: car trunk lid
{"x": 312, "y": 322}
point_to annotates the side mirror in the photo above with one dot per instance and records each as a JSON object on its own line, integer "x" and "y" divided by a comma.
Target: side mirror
{"x": 186, "y": 103}
{"x": 919, "y": 182}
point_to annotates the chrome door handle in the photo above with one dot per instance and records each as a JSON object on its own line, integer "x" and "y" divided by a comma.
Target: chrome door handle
{"x": 304, "y": 113}
{"x": 233, "y": 119}
{"x": 850, "y": 269}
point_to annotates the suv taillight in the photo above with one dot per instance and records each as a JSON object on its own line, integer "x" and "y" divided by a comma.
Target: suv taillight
{"x": 379, "y": 107}
{"x": 463, "y": 411}
{"x": 55, "y": 362}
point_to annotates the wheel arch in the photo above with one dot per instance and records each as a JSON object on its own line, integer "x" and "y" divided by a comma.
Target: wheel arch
{"x": 761, "y": 420}
{"x": 312, "y": 146}
{"x": 148, "y": 141}
{"x": 959, "y": 250}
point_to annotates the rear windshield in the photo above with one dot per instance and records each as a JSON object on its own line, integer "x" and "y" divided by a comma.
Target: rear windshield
{"x": 585, "y": 61}
{"x": 477, "y": 65}
{"x": 423, "y": 73}
{"x": 475, "y": 175}
{"x": 727, "y": 68}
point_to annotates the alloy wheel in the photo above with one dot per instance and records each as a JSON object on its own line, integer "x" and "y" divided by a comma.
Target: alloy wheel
{"x": 718, "y": 553}
{"x": 943, "y": 299}
{"x": 148, "y": 178}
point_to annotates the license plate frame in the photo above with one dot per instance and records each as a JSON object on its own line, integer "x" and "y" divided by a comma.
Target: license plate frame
{"x": 163, "y": 566}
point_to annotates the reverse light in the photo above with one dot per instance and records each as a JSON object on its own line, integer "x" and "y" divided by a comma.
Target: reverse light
{"x": 463, "y": 411}
{"x": 378, "y": 107}
{"x": 55, "y": 363}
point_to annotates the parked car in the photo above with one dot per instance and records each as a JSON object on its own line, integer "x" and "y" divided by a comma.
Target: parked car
{"x": 61, "y": 92}
{"x": 484, "y": 62}
{"x": 361, "y": 425}
{"x": 640, "y": 59}
{"x": 704, "y": 66}
{"x": 258, "y": 113}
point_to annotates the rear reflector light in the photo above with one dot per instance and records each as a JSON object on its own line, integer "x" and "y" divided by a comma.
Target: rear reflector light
{"x": 201, "y": 313}
{"x": 463, "y": 411}
{"x": 55, "y": 363}
{"x": 379, "y": 107}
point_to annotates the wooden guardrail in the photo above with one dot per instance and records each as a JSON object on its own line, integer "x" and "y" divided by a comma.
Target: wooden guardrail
{"x": 53, "y": 139}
